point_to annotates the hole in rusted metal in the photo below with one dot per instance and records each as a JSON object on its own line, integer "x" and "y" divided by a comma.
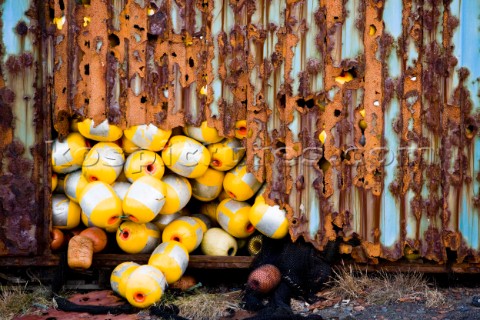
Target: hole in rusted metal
{"x": 127, "y": 17}
{"x": 87, "y": 44}
{"x": 280, "y": 149}
{"x": 51, "y": 13}
{"x": 87, "y": 101}
{"x": 345, "y": 155}
{"x": 337, "y": 113}
{"x": 470, "y": 131}
{"x": 282, "y": 99}
{"x": 294, "y": 221}
{"x": 310, "y": 103}
{"x": 174, "y": 54}
{"x": 191, "y": 63}
{"x": 362, "y": 124}
{"x": 86, "y": 69}
{"x": 136, "y": 26}
{"x": 85, "y": 2}
{"x": 61, "y": 4}
{"x": 113, "y": 40}
{"x": 363, "y": 140}
{"x": 64, "y": 90}
{"x": 143, "y": 99}
{"x": 152, "y": 37}
{"x": 376, "y": 103}
{"x": 324, "y": 164}
{"x": 372, "y": 30}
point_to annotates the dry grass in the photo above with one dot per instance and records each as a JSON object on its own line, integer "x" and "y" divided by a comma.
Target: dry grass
{"x": 207, "y": 306}
{"x": 16, "y": 300}
{"x": 383, "y": 287}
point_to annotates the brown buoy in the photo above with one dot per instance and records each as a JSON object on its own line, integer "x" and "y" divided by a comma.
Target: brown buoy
{"x": 264, "y": 279}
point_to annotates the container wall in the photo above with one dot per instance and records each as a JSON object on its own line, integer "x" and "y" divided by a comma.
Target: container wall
{"x": 362, "y": 115}
{"x": 24, "y": 132}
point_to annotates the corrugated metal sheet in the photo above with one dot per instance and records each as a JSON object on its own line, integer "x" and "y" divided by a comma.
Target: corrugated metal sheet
{"x": 397, "y": 163}
{"x": 24, "y": 130}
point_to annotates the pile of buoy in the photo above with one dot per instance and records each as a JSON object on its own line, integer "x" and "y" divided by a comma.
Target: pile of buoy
{"x": 158, "y": 192}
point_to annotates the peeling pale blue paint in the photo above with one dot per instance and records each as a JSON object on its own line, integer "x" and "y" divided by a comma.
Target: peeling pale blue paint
{"x": 294, "y": 126}
{"x": 13, "y": 12}
{"x": 21, "y": 84}
{"x": 390, "y": 211}
{"x": 352, "y": 39}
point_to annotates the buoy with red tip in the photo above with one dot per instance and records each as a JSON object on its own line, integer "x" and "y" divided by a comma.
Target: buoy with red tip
{"x": 68, "y": 155}
{"x": 120, "y": 275}
{"x": 74, "y": 184}
{"x": 103, "y": 132}
{"x": 137, "y": 237}
{"x": 178, "y": 195}
{"x": 145, "y": 286}
{"x": 142, "y": 163}
{"x": 271, "y": 221}
{"x": 170, "y": 257}
{"x": 185, "y": 230}
{"x": 65, "y": 213}
{"x": 186, "y": 157}
{"x": 203, "y": 133}
{"x": 232, "y": 216}
{"x": 104, "y": 162}
{"x": 240, "y": 184}
{"x": 226, "y": 154}
{"x": 208, "y": 186}
{"x": 241, "y": 129}
{"x": 144, "y": 199}
{"x": 101, "y": 205}
{"x": 148, "y": 137}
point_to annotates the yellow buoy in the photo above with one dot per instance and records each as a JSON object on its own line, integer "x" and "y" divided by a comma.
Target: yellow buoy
{"x": 241, "y": 129}
{"x": 232, "y": 216}
{"x": 144, "y": 199}
{"x": 128, "y": 146}
{"x": 121, "y": 188}
{"x": 145, "y": 286}
{"x": 142, "y": 163}
{"x": 204, "y": 133}
{"x": 208, "y": 186}
{"x": 162, "y": 220}
{"x": 54, "y": 181}
{"x": 185, "y": 230}
{"x": 226, "y": 154}
{"x": 171, "y": 258}
{"x": 110, "y": 229}
{"x": 68, "y": 155}
{"x": 120, "y": 275}
{"x": 179, "y": 193}
{"x": 101, "y": 205}
{"x": 204, "y": 221}
{"x": 186, "y": 157}
{"x": 148, "y": 137}
{"x": 73, "y": 185}
{"x": 271, "y": 221}
{"x": 210, "y": 210}
{"x": 137, "y": 237}
{"x": 104, "y": 131}
{"x": 104, "y": 162}
{"x": 218, "y": 242}
{"x": 240, "y": 184}
{"x": 65, "y": 213}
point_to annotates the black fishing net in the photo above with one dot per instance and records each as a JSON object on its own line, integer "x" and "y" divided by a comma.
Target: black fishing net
{"x": 304, "y": 269}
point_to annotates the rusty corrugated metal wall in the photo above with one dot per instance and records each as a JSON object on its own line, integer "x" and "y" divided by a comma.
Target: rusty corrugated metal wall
{"x": 24, "y": 131}
{"x": 398, "y": 159}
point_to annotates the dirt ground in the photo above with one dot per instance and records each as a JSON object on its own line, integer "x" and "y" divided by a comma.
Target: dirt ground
{"x": 446, "y": 298}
